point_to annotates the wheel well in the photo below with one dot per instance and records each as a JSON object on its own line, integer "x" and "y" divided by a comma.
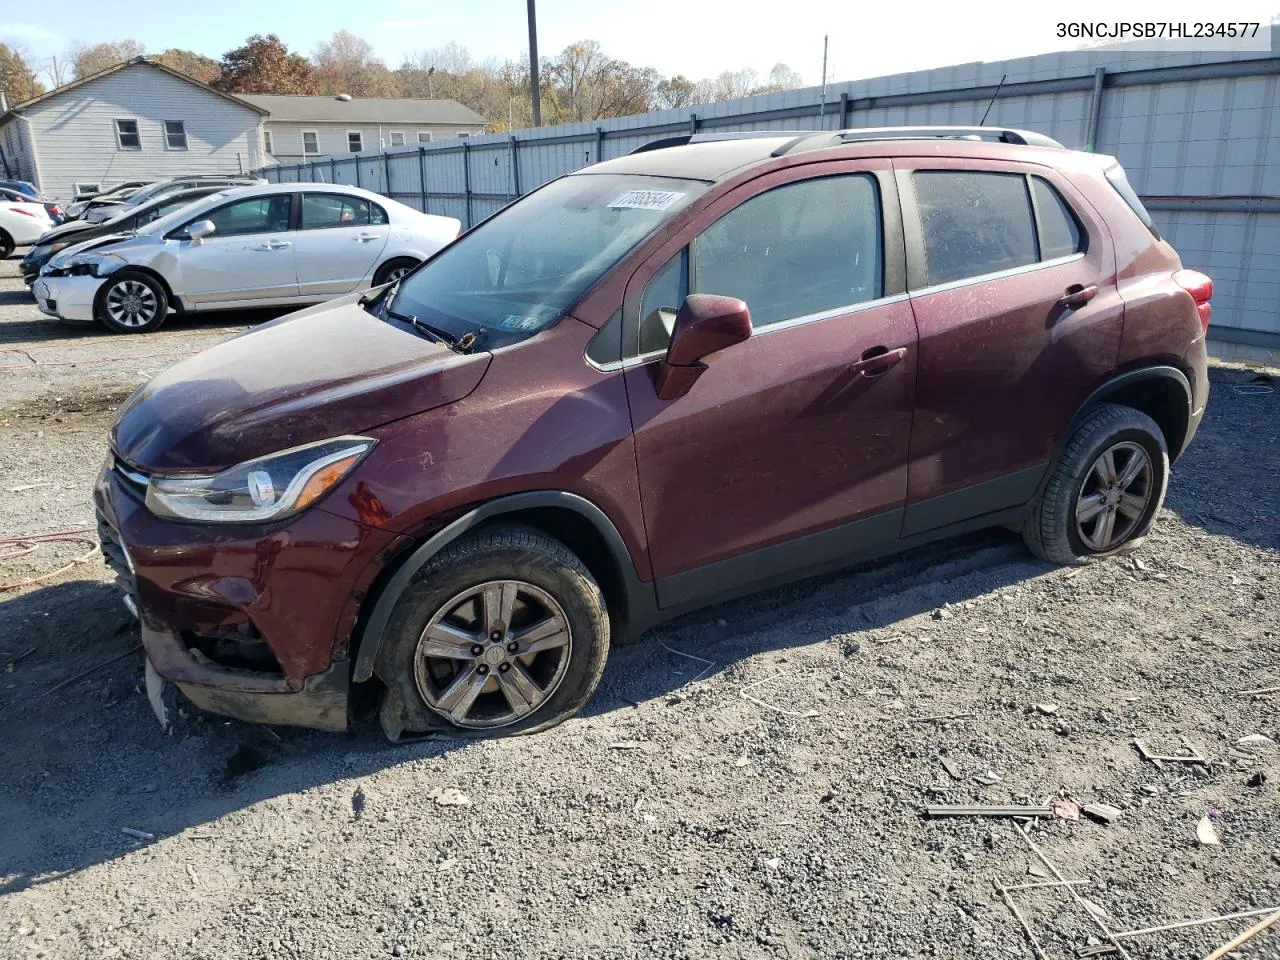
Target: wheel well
{"x": 390, "y": 260}
{"x": 4, "y": 235}
{"x": 1162, "y": 399}
{"x": 174, "y": 302}
{"x": 578, "y": 534}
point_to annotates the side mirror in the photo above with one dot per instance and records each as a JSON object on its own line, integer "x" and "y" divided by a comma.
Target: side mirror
{"x": 200, "y": 229}
{"x": 705, "y": 325}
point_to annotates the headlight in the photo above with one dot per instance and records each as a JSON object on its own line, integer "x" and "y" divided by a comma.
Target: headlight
{"x": 268, "y": 488}
{"x": 94, "y": 265}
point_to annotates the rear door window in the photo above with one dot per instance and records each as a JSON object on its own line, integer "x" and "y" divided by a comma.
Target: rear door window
{"x": 1059, "y": 230}
{"x": 324, "y": 210}
{"x": 974, "y": 223}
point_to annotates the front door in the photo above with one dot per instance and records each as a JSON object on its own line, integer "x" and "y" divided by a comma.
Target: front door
{"x": 249, "y": 256}
{"x": 340, "y": 239}
{"x": 789, "y": 452}
{"x": 1012, "y": 280}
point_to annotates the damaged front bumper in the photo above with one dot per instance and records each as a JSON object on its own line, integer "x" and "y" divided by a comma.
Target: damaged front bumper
{"x": 248, "y": 621}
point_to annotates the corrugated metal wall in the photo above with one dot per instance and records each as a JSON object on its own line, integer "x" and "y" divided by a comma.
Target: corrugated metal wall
{"x": 1198, "y": 133}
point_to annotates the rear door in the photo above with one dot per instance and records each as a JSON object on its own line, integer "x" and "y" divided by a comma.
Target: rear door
{"x": 248, "y": 257}
{"x": 340, "y": 239}
{"x": 1012, "y": 278}
{"x": 782, "y": 457}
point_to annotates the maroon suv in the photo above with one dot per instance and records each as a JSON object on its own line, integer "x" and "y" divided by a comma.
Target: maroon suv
{"x": 715, "y": 364}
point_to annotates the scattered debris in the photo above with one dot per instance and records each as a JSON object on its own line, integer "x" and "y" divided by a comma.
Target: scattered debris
{"x": 8, "y": 667}
{"x": 952, "y": 770}
{"x": 1096, "y": 950}
{"x": 447, "y": 864}
{"x": 1260, "y": 691}
{"x": 1181, "y": 924}
{"x": 1035, "y": 870}
{"x": 987, "y": 779}
{"x": 449, "y": 797}
{"x": 1066, "y": 810}
{"x": 773, "y": 863}
{"x": 808, "y": 714}
{"x": 137, "y": 834}
{"x": 828, "y": 796}
{"x": 1160, "y": 759}
{"x": 1049, "y": 883}
{"x": 1245, "y": 937}
{"x": 1102, "y": 812}
{"x": 357, "y": 802}
{"x": 1257, "y": 780}
{"x": 628, "y": 745}
{"x": 956, "y": 810}
{"x": 1206, "y": 834}
{"x": 84, "y": 673}
{"x": 1094, "y": 909}
{"x": 742, "y": 762}
{"x": 710, "y": 664}
{"x": 191, "y": 872}
{"x": 1048, "y": 709}
{"x": 941, "y": 718}
{"x": 1255, "y": 740}
{"x": 1022, "y": 921}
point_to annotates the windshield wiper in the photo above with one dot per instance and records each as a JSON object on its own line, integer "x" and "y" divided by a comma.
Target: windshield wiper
{"x": 432, "y": 332}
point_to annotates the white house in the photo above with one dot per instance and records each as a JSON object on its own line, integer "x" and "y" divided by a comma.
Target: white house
{"x": 301, "y": 128}
{"x": 137, "y": 120}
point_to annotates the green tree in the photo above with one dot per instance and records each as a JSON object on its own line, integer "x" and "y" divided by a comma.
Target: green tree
{"x": 265, "y": 65}
{"x": 17, "y": 77}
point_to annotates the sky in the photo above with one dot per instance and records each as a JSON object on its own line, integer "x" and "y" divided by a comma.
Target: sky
{"x": 698, "y": 38}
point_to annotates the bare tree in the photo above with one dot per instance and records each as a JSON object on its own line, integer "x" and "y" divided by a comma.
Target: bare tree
{"x": 346, "y": 64}
{"x": 673, "y": 92}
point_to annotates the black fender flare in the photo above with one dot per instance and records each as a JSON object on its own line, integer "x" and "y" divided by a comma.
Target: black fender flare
{"x": 1115, "y": 384}
{"x": 639, "y": 596}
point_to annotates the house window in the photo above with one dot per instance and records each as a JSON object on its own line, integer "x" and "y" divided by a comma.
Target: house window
{"x": 266, "y": 142}
{"x": 355, "y": 141}
{"x": 127, "y": 135}
{"x": 175, "y": 135}
{"x": 462, "y": 134}
{"x": 310, "y": 142}
{"x": 397, "y": 138}
{"x": 424, "y": 136}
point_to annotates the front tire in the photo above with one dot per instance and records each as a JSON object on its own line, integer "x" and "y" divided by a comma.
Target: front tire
{"x": 130, "y": 301}
{"x": 1105, "y": 491}
{"x": 7, "y": 246}
{"x": 503, "y": 632}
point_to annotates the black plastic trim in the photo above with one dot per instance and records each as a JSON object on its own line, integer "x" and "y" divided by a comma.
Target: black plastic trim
{"x": 1012, "y": 490}
{"x": 641, "y": 605}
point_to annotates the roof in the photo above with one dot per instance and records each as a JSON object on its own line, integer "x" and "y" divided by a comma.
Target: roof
{"x": 18, "y": 108}
{"x": 363, "y": 109}
{"x": 715, "y": 157}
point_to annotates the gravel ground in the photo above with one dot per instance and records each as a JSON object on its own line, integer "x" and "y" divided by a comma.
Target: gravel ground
{"x": 747, "y": 782}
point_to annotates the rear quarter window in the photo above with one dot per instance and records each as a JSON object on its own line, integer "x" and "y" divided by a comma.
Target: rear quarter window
{"x": 1120, "y": 183}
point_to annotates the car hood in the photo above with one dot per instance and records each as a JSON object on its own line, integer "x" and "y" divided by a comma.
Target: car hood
{"x": 65, "y": 231}
{"x": 322, "y": 372}
{"x": 61, "y": 258}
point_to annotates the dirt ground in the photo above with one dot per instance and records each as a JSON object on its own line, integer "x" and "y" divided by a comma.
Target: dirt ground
{"x": 748, "y": 781}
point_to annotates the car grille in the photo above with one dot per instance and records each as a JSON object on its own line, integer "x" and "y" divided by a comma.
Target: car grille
{"x": 113, "y": 553}
{"x": 135, "y": 481}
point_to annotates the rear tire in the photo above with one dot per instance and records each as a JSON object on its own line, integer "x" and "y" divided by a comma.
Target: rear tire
{"x": 503, "y": 632}
{"x": 7, "y": 246}
{"x": 393, "y": 270}
{"x": 130, "y": 301}
{"x": 1105, "y": 491}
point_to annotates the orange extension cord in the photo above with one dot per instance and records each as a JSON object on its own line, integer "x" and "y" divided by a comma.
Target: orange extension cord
{"x": 29, "y": 543}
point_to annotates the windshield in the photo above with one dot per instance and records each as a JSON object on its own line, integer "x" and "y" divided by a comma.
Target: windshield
{"x": 172, "y": 218}
{"x": 519, "y": 271}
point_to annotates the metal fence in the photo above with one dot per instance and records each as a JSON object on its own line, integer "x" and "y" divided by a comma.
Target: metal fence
{"x": 1198, "y": 133}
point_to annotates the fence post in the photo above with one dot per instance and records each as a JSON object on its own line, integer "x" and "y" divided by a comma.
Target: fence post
{"x": 515, "y": 167}
{"x": 312, "y": 165}
{"x": 422, "y": 175}
{"x": 357, "y": 159}
{"x": 693, "y": 123}
{"x": 333, "y": 170}
{"x": 844, "y": 111}
{"x": 466, "y": 177}
{"x": 386, "y": 172}
{"x": 1095, "y": 110}
{"x": 599, "y": 144}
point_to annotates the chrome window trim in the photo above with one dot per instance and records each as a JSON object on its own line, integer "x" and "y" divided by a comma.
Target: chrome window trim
{"x": 858, "y": 307}
{"x": 997, "y": 275}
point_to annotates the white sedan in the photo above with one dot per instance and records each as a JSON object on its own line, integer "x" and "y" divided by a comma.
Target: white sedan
{"x": 21, "y": 224}
{"x": 278, "y": 245}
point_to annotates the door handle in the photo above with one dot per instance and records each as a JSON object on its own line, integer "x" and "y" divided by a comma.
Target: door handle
{"x": 877, "y": 361}
{"x": 1077, "y": 295}
{"x": 366, "y": 237}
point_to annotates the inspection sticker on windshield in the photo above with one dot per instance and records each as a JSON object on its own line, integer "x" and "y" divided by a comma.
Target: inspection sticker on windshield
{"x": 513, "y": 321}
{"x": 646, "y": 199}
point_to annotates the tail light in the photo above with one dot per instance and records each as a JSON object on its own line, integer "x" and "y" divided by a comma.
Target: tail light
{"x": 55, "y": 210}
{"x": 1201, "y": 289}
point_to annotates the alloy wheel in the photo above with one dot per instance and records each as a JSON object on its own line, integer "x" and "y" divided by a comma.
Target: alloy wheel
{"x": 1114, "y": 496}
{"x": 493, "y": 654}
{"x": 131, "y": 303}
{"x": 395, "y": 273}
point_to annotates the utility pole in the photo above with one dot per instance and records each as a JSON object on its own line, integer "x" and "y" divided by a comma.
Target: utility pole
{"x": 430, "y": 73}
{"x": 534, "y": 90}
{"x": 822, "y": 106}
